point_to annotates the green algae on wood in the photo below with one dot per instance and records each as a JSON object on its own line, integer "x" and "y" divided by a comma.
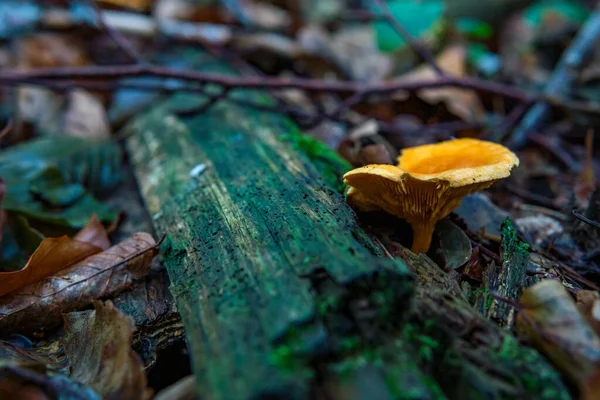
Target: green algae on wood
{"x": 507, "y": 279}
{"x": 268, "y": 266}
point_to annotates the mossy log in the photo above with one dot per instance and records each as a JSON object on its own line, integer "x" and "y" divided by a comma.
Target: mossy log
{"x": 270, "y": 272}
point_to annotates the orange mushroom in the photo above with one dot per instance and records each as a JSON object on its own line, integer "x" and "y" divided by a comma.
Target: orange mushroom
{"x": 429, "y": 182}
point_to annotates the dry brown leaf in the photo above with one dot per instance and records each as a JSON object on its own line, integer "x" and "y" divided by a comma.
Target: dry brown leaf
{"x": 98, "y": 345}
{"x": 266, "y": 16}
{"x": 53, "y": 255}
{"x": 85, "y": 116}
{"x": 463, "y": 103}
{"x": 183, "y": 389}
{"x": 78, "y": 113}
{"x": 40, "y": 305}
{"x": 94, "y": 233}
{"x": 588, "y": 302}
{"x": 352, "y": 50}
{"x": 551, "y": 320}
{"x": 138, "y": 5}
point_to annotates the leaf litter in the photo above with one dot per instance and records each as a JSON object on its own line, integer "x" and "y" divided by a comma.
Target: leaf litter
{"x": 553, "y": 197}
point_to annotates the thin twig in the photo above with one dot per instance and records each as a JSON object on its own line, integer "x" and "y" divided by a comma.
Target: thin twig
{"x": 509, "y": 122}
{"x": 585, "y": 219}
{"x": 486, "y": 251}
{"x": 561, "y": 80}
{"x": 512, "y": 302}
{"x": 529, "y": 196}
{"x": 211, "y": 101}
{"x": 70, "y": 74}
{"x": 558, "y": 151}
{"x": 414, "y": 44}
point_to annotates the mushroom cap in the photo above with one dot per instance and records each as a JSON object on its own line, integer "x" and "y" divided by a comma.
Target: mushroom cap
{"x": 430, "y": 180}
{"x": 460, "y": 162}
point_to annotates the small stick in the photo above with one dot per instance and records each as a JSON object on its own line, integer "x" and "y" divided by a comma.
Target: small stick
{"x": 112, "y": 72}
{"x": 561, "y": 80}
{"x": 585, "y": 219}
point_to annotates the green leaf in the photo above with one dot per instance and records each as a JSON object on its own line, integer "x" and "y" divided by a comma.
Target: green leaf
{"x": 45, "y": 179}
{"x": 566, "y": 10}
{"x": 474, "y": 28}
{"x": 419, "y": 18}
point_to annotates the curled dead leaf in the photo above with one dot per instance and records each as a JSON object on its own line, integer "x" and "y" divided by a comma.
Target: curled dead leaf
{"x": 40, "y": 305}
{"x": 551, "y": 320}
{"x": 94, "y": 233}
{"x": 98, "y": 345}
{"x": 588, "y": 302}
{"x": 55, "y": 254}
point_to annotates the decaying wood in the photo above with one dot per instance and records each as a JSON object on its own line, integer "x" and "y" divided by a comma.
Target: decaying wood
{"x": 268, "y": 267}
{"x": 508, "y": 279}
{"x": 149, "y": 302}
{"x": 474, "y": 357}
{"x": 158, "y": 324}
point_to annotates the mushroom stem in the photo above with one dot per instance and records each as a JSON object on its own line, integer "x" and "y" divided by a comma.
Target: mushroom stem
{"x": 422, "y": 235}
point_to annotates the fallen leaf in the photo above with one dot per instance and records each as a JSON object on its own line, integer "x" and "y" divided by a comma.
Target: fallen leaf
{"x": 266, "y": 16}
{"x": 53, "y": 255}
{"x": 94, "y": 233}
{"x": 588, "y": 302}
{"x": 85, "y": 116}
{"x": 183, "y": 389}
{"x": 39, "y": 306}
{"x": 35, "y": 384}
{"x": 451, "y": 245}
{"x": 463, "y": 103}
{"x": 352, "y": 50}
{"x": 138, "y": 5}
{"x": 25, "y": 355}
{"x": 98, "y": 345}
{"x": 551, "y": 320}
{"x": 76, "y": 113}
{"x": 46, "y": 179}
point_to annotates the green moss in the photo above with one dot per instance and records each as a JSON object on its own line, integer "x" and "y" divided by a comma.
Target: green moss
{"x": 537, "y": 377}
{"x": 328, "y": 162}
{"x": 511, "y": 243}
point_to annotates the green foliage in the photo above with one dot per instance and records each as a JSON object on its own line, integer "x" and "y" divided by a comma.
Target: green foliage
{"x": 420, "y": 18}
{"x": 567, "y": 10}
{"x": 50, "y": 179}
{"x": 474, "y": 28}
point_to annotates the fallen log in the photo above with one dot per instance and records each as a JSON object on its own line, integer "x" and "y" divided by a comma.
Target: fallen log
{"x": 270, "y": 272}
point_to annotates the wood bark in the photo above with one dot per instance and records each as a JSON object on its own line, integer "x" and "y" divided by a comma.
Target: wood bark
{"x": 271, "y": 274}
